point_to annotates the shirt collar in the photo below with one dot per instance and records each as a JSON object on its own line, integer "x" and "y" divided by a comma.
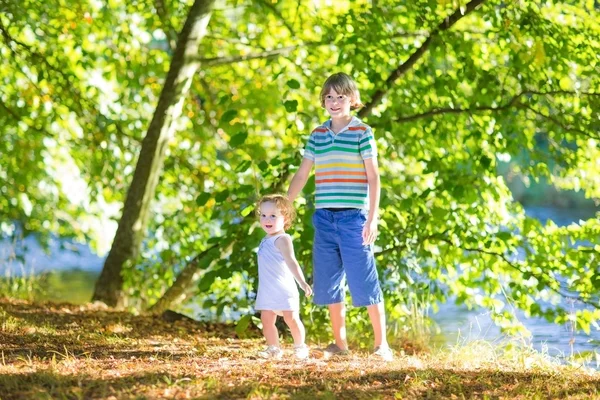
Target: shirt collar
{"x": 353, "y": 122}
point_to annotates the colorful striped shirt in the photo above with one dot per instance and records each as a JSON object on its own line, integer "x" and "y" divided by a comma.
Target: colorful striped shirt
{"x": 340, "y": 175}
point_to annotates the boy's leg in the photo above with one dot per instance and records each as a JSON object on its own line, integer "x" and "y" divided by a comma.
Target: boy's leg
{"x": 292, "y": 319}
{"x": 337, "y": 314}
{"x": 361, "y": 272}
{"x": 270, "y": 333}
{"x": 328, "y": 273}
{"x": 377, "y": 316}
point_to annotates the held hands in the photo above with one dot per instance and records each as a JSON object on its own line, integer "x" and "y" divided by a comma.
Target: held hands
{"x": 369, "y": 233}
{"x": 307, "y": 289}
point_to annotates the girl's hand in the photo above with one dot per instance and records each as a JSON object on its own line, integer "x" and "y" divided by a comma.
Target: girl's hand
{"x": 369, "y": 233}
{"x": 307, "y": 289}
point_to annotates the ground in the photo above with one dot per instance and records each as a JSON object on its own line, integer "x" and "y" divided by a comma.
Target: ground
{"x": 62, "y": 351}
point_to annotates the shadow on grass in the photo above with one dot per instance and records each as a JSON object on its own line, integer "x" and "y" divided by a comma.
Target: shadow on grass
{"x": 46, "y": 384}
{"x": 425, "y": 384}
{"x": 420, "y": 384}
{"x": 23, "y": 347}
{"x": 68, "y": 318}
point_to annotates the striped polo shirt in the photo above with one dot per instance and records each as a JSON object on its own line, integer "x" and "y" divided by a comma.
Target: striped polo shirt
{"x": 340, "y": 175}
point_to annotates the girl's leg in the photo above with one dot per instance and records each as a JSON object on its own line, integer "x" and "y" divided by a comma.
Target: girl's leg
{"x": 268, "y": 319}
{"x": 292, "y": 319}
{"x": 337, "y": 314}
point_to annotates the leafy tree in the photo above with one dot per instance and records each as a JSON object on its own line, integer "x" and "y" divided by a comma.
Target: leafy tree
{"x": 133, "y": 223}
{"x": 454, "y": 90}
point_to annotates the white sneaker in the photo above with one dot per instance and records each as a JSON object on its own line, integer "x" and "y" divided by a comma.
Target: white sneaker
{"x": 301, "y": 352}
{"x": 383, "y": 353}
{"x": 271, "y": 352}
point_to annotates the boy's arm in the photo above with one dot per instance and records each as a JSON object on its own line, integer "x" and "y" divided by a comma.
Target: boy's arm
{"x": 285, "y": 246}
{"x": 300, "y": 178}
{"x": 370, "y": 229}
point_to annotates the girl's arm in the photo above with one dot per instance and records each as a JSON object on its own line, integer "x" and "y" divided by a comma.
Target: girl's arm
{"x": 300, "y": 178}
{"x": 285, "y": 246}
{"x": 370, "y": 229}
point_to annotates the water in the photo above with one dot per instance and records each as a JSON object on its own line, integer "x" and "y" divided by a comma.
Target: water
{"x": 71, "y": 270}
{"x": 28, "y": 257}
{"x": 458, "y": 324}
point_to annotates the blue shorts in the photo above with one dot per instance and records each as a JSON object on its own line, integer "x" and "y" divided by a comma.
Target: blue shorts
{"x": 339, "y": 255}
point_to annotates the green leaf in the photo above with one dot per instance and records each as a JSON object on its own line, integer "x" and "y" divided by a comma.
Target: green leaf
{"x": 228, "y": 116}
{"x": 238, "y": 139}
{"x": 242, "y": 326}
{"x": 485, "y": 162}
{"x": 293, "y": 84}
{"x": 202, "y": 199}
{"x": 247, "y": 210}
{"x": 244, "y": 189}
{"x": 214, "y": 239}
{"x": 222, "y": 196}
{"x": 263, "y": 165}
{"x": 290, "y": 105}
{"x": 243, "y": 166}
{"x": 504, "y": 236}
{"x": 207, "y": 280}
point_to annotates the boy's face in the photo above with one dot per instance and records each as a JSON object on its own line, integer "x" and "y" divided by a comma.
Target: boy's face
{"x": 337, "y": 105}
{"x": 271, "y": 219}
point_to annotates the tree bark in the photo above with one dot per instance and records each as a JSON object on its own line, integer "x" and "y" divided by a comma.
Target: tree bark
{"x": 132, "y": 226}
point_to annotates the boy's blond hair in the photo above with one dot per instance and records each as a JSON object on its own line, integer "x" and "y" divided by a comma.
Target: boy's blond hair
{"x": 342, "y": 84}
{"x": 283, "y": 204}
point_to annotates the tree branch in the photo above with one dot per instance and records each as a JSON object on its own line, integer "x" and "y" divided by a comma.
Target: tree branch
{"x": 275, "y": 11}
{"x": 513, "y": 265}
{"x": 13, "y": 114}
{"x": 560, "y": 124}
{"x": 448, "y": 110}
{"x": 408, "y": 64}
{"x": 163, "y": 15}
{"x": 210, "y": 62}
{"x": 510, "y": 103}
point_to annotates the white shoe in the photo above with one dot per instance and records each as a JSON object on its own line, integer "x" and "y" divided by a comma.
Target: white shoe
{"x": 271, "y": 352}
{"x": 383, "y": 353}
{"x": 301, "y": 352}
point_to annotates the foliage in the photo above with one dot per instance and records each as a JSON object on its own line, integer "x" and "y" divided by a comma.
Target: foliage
{"x": 509, "y": 80}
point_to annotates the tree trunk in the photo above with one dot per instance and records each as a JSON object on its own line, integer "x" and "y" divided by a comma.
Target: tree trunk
{"x": 132, "y": 226}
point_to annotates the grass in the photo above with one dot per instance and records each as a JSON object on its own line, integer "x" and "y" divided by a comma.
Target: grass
{"x": 22, "y": 285}
{"x": 62, "y": 351}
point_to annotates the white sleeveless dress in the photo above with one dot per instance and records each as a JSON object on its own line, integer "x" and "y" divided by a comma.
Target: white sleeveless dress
{"x": 277, "y": 290}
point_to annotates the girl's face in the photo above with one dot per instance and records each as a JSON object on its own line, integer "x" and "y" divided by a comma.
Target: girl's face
{"x": 337, "y": 105}
{"x": 271, "y": 219}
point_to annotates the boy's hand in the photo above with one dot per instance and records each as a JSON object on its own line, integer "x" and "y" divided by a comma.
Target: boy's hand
{"x": 369, "y": 233}
{"x": 307, "y": 289}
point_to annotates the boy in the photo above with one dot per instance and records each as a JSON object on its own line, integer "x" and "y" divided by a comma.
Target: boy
{"x": 347, "y": 200}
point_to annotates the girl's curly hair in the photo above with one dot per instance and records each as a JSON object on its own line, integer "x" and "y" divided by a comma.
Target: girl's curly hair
{"x": 283, "y": 204}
